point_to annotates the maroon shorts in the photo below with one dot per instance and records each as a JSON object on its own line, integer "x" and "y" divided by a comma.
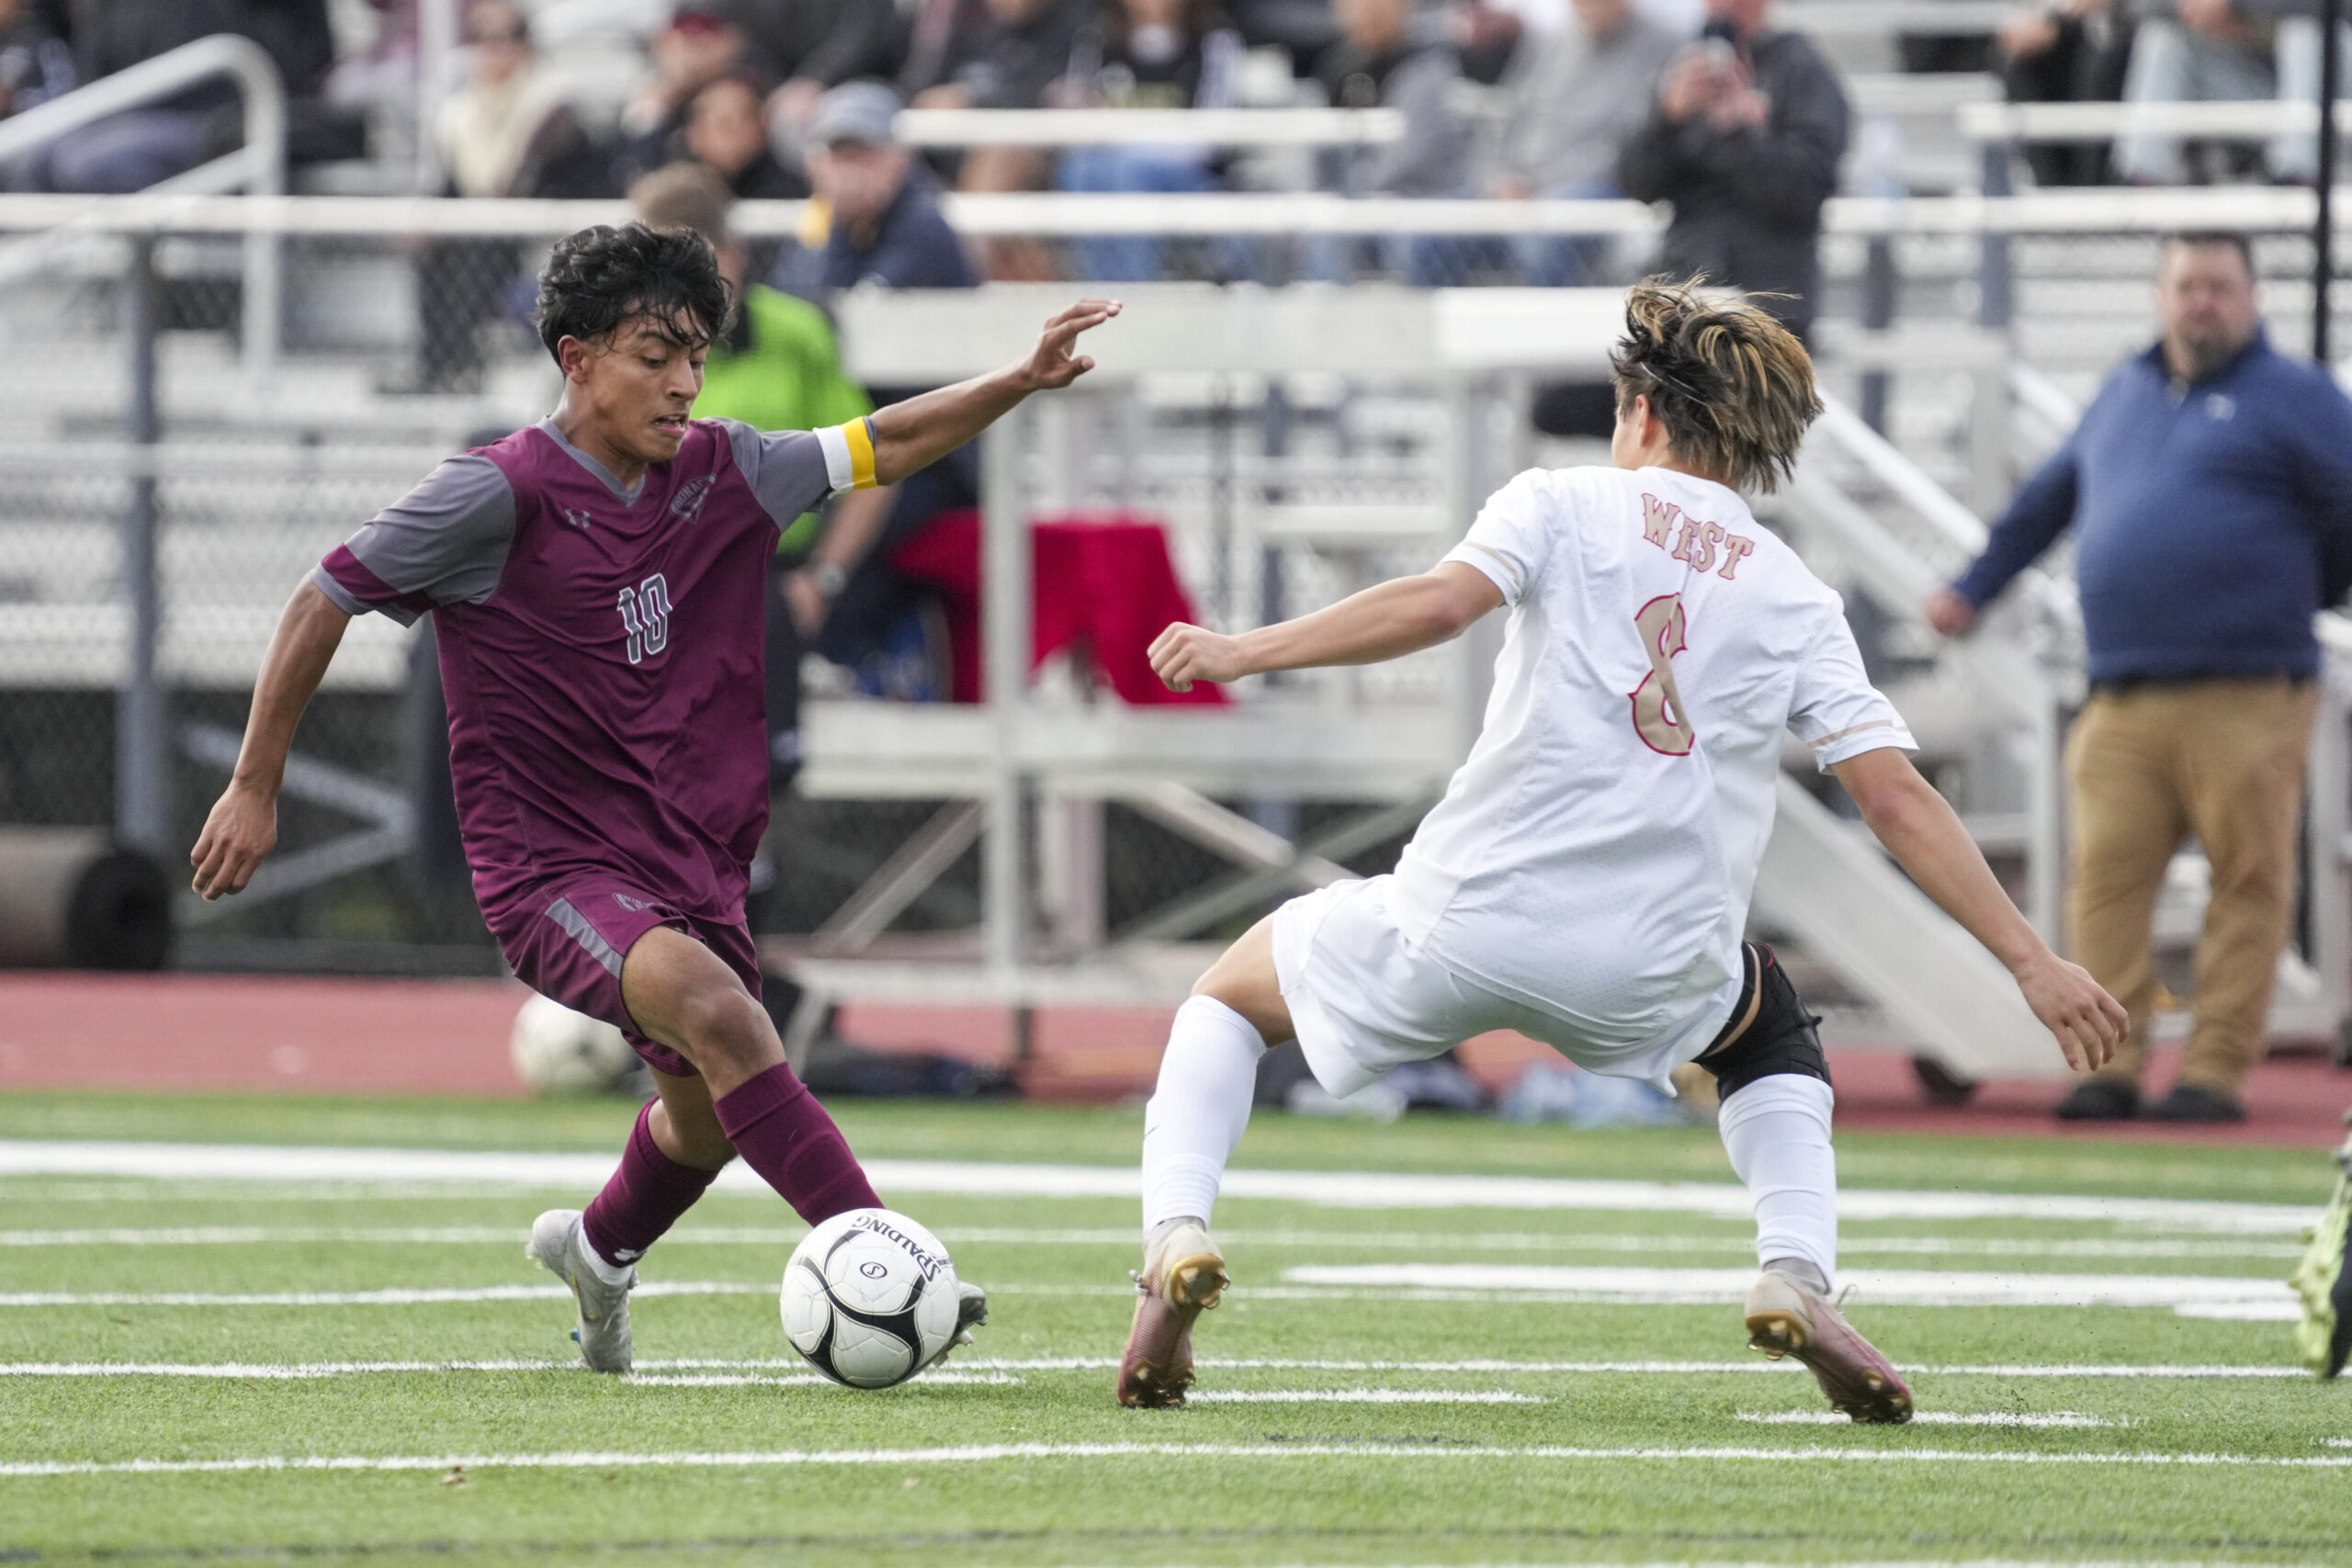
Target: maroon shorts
{"x": 567, "y": 939}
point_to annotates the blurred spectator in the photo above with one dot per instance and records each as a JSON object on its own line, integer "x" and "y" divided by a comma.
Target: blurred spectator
{"x": 698, "y": 47}
{"x": 810, "y": 45}
{"x": 880, "y": 224}
{"x": 1487, "y": 38}
{"x": 1384, "y": 61}
{"x": 876, "y": 217}
{"x": 2070, "y": 53}
{"x": 2210, "y": 489}
{"x": 1744, "y": 139}
{"x": 1008, "y": 62}
{"x": 35, "y": 63}
{"x": 141, "y": 147}
{"x": 1158, "y": 54}
{"x": 724, "y": 132}
{"x": 778, "y": 368}
{"x": 2201, "y": 50}
{"x": 508, "y": 132}
{"x": 1574, "y": 99}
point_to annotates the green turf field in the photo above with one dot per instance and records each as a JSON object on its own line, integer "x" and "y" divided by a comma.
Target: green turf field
{"x": 1379, "y": 1404}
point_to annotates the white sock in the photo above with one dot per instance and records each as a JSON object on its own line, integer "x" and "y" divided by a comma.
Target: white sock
{"x": 1777, "y": 1133}
{"x": 1207, "y": 1079}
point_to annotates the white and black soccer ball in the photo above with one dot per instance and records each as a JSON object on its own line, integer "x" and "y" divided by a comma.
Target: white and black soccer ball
{"x": 869, "y": 1298}
{"x": 557, "y": 1051}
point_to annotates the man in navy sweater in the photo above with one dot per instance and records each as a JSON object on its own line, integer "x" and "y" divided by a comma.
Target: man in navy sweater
{"x": 2206, "y": 485}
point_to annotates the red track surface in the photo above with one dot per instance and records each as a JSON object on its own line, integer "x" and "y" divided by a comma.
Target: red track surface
{"x": 448, "y": 1037}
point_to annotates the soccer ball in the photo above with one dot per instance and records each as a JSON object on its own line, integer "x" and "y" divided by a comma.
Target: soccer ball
{"x": 869, "y": 1298}
{"x": 557, "y": 1051}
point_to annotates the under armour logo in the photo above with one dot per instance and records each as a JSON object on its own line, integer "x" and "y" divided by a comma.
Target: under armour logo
{"x": 2220, "y": 405}
{"x": 645, "y": 615}
{"x": 578, "y": 519}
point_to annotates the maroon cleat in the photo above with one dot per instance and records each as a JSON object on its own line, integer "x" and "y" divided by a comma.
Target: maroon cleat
{"x": 1786, "y": 1319}
{"x": 1182, "y": 1276}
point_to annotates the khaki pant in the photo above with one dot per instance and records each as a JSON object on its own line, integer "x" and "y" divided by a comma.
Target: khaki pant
{"x": 2222, "y": 759}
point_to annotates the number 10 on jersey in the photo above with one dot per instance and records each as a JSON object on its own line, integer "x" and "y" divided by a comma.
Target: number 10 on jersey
{"x": 645, "y": 615}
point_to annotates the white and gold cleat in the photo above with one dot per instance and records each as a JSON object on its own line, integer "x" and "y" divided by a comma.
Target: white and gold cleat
{"x": 1183, "y": 1276}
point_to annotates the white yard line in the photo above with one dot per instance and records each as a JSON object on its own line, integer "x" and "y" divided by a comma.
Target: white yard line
{"x": 1000, "y": 1452}
{"x": 264, "y": 1370}
{"x": 1125, "y": 1236}
{"x": 1879, "y": 1286}
{"x": 1506, "y": 1284}
{"x": 1928, "y": 1418}
{"x": 409, "y": 1296}
{"x": 799, "y": 1380}
{"x": 1341, "y": 1189}
{"x": 1359, "y": 1396}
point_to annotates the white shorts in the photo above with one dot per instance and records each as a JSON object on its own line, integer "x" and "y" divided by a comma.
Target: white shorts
{"x": 1364, "y": 1000}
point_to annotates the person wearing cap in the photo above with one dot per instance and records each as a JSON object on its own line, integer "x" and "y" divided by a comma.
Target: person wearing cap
{"x": 876, "y": 217}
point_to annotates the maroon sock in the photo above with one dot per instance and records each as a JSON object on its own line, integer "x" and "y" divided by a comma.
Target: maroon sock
{"x": 643, "y": 1199}
{"x": 782, "y": 1133}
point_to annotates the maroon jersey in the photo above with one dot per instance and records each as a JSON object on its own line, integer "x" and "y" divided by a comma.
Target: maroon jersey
{"x": 601, "y": 647}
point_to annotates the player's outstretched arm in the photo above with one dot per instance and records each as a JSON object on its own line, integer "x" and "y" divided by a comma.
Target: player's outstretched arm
{"x": 1399, "y": 617}
{"x": 919, "y": 432}
{"x": 1924, "y": 834}
{"x": 242, "y": 827}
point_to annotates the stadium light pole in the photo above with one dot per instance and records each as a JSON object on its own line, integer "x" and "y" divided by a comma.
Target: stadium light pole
{"x": 2331, "y": 76}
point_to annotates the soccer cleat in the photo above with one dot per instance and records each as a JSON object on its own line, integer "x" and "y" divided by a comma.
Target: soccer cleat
{"x": 559, "y": 1246}
{"x": 2324, "y": 1279}
{"x": 1183, "y": 1276}
{"x": 1786, "y": 1319}
{"x": 971, "y": 1312}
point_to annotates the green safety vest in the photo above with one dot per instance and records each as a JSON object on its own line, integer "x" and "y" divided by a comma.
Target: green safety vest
{"x": 788, "y": 378}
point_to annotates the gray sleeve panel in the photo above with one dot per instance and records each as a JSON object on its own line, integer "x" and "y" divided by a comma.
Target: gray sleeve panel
{"x": 446, "y": 540}
{"x": 340, "y": 596}
{"x": 786, "y": 470}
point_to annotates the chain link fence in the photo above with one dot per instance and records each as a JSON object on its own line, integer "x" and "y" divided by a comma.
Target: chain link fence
{"x": 397, "y": 349}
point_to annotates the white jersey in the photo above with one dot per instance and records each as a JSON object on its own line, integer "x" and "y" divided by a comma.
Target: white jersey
{"x": 1594, "y": 856}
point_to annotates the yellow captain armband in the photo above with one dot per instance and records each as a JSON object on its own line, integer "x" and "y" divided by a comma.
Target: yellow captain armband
{"x": 849, "y": 455}
{"x": 861, "y": 452}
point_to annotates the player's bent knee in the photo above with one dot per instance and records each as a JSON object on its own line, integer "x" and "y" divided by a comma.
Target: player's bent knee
{"x": 722, "y": 1024}
{"x": 1781, "y": 1038}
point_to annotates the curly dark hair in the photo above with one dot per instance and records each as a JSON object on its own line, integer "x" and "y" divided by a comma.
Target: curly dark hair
{"x": 1733, "y": 385}
{"x": 598, "y": 278}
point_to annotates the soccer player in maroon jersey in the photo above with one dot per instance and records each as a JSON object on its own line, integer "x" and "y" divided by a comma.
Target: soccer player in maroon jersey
{"x": 597, "y": 585}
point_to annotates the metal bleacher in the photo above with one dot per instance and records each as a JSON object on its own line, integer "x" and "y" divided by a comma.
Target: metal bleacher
{"x": 1401, "y": 409}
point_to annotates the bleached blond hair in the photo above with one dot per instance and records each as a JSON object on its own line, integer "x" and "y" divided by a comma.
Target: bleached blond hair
{"x": 1734, "y": 387}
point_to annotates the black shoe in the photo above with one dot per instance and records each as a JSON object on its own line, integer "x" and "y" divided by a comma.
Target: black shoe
{"x": 2098, "y": 1099}
{"x": 2195, "y": 1102}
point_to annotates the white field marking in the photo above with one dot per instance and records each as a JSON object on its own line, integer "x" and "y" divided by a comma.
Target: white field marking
{"x": 2260, "y": 1299}
{"x": 1359, "y": 1396}
{"x": 1340, "y": 1189}
{"x": 1526, "y": 1241}
{"x": 799, "y": 1380}
{"x": 1880, "y": 1287}
{"x": 258, "y": 1370}
{"x": 2245, "y": 1312}
{"x": 407, "y": 1296}
{"x": 1927, "y": 1418}
{"x": 2337, "y": 1442}
{"x": 999, "y": 1452}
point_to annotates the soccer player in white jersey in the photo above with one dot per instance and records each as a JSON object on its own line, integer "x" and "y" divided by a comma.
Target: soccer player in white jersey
{"x": 1585, "y": 879}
